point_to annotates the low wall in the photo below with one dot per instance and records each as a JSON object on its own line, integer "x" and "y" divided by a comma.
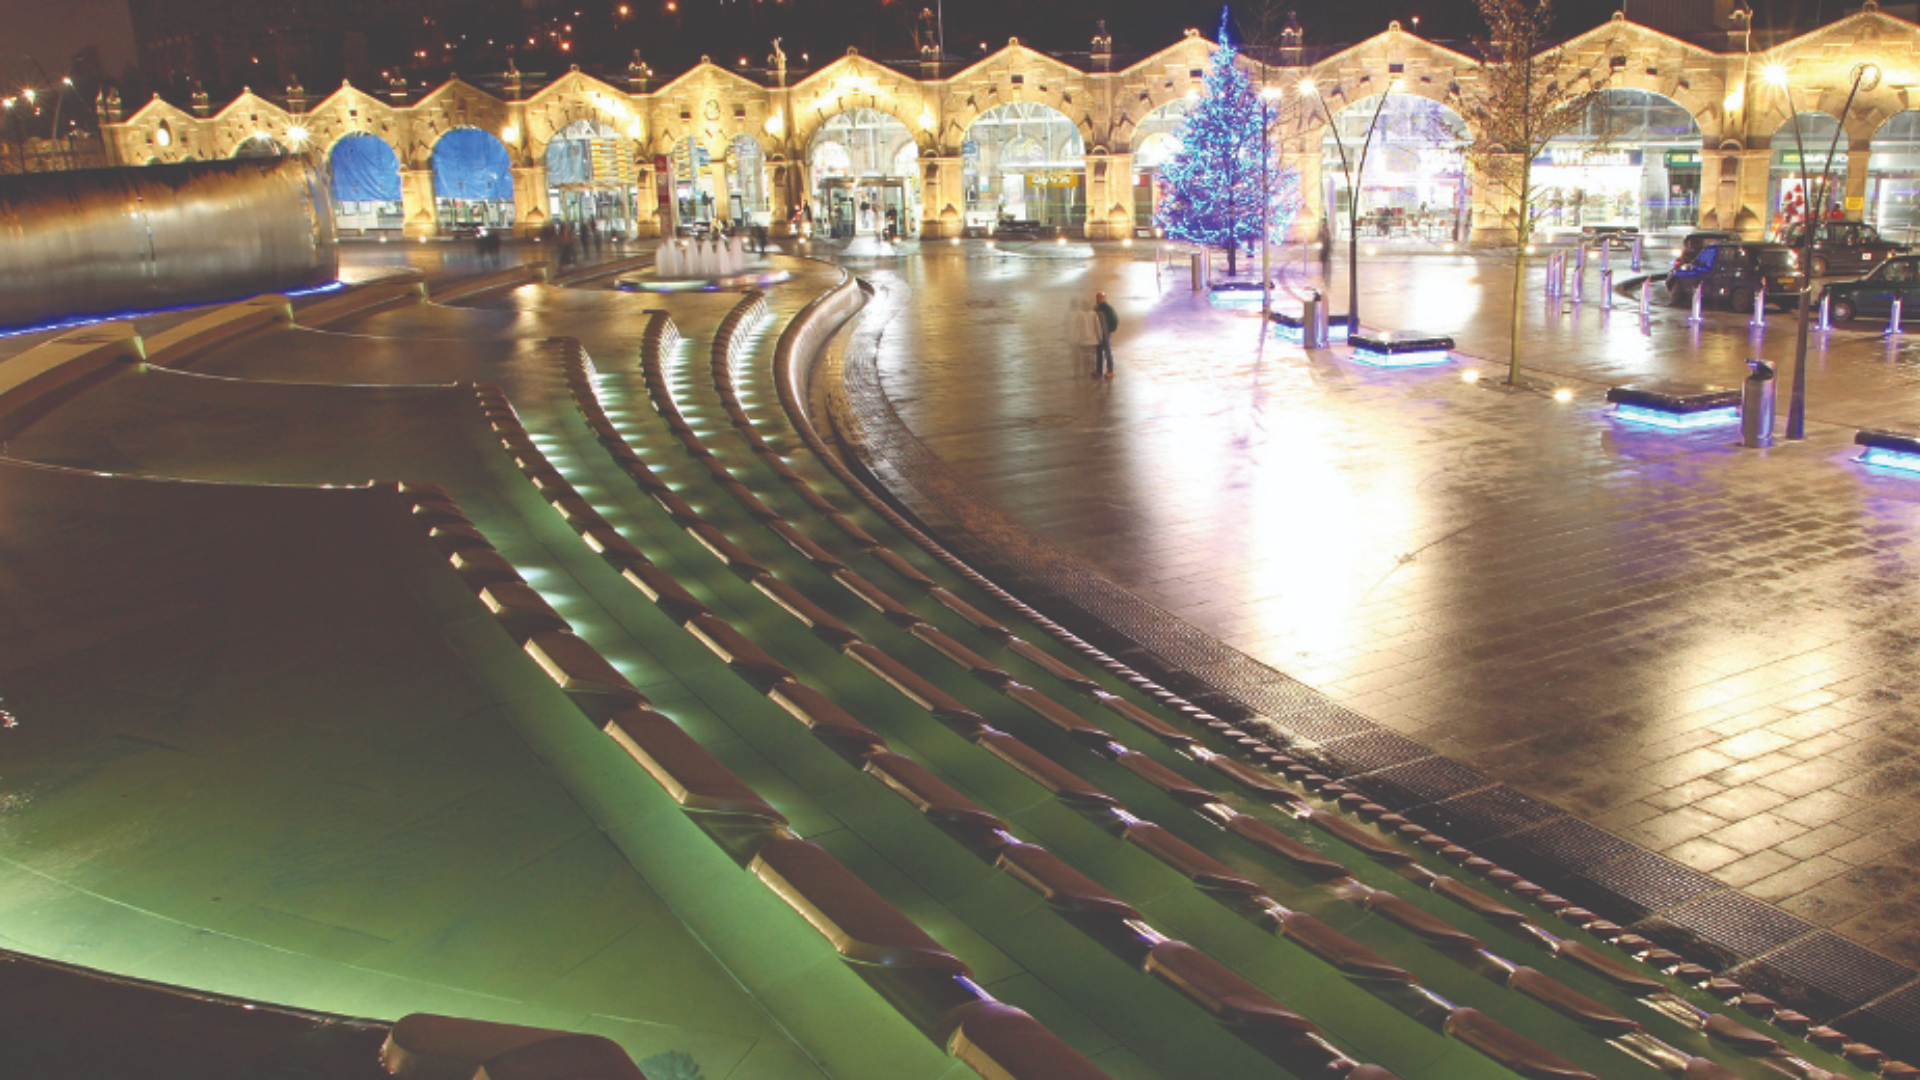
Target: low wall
{"x": 107, "y": 241}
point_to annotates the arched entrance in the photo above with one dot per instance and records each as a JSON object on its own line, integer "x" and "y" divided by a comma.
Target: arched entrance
{"x": 1893, "y": 177}
{"x": 747, "y": 182}
{"x": 1788, "y": 198}
{"x": 259, "y": 146}
{"x": 1025, "y": 163}
{"x": 1413, "y": 186}
{"x": 694, "y": 186}
{"x": 862, "y": 164}
{"x": 591, "y": 177}
{"x": 1155, "y": 141}
{"x": 1633, "y": 164}
{"x": 365, "y": 179}
{"x": 472, "y": 182}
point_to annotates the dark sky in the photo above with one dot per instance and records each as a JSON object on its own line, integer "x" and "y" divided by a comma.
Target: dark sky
{"x": 50, "y": 31}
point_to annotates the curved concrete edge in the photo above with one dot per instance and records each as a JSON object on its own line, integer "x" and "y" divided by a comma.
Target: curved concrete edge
{"x": 425, "y": 1046}
{"x": 172, "y": 348}
{"x": 511, "y": 278}
{"x": 48, "y": 373}
{"x": 407, "y": 287}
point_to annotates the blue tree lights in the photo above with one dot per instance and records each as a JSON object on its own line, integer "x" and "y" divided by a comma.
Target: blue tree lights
{"x": 1226, "y": 186}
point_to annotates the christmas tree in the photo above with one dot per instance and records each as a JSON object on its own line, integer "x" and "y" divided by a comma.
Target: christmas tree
{"x": 1226, "y": 187}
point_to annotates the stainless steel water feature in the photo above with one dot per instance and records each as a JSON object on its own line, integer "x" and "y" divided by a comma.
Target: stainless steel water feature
{"x": 104, "y": 241}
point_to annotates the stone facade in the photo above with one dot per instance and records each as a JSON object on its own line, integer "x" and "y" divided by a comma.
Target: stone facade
{"x": 1737, "y": 109}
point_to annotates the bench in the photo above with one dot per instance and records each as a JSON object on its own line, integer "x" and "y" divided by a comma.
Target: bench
{"x": 1890, "y": 449}
{"x": 1675, "y": 408}
{"x": 1399, "y": 348}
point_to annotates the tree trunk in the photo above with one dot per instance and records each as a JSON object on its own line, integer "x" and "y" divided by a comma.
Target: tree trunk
{"x": 1233, "y": 258}
{"x": 1519, "y": 302}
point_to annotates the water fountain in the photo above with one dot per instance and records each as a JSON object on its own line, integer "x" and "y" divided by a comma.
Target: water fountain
{"x": 702, "y": 264}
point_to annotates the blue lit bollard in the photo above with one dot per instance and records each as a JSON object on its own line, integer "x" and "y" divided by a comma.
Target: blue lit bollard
{"x": 1759, "y": 320}
{"x": 1646, "y": 306}
{"x": 1579, "y": 275}
{"x": 1553, "y": 269}
{"x": 1636, "y": 253}
{"x": 1826, "y": 313}
{"x": 1695, "y": 317}
{"x": 1606, "y": 285}
{"x": 1893, "y": 319}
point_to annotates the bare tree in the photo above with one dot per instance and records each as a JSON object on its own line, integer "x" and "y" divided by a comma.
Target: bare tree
{"x": 1530, "y": 92}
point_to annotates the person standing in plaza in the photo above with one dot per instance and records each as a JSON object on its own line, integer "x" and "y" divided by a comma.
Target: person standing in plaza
{"x": 1109, "y": 323}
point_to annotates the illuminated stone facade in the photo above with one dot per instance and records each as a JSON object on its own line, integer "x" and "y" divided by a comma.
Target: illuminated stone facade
{"x": 1737, "y": 111}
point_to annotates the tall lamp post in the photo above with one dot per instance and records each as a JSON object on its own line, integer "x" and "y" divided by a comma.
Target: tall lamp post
{"x": 1864, "y": 77}
{"x": 1269, "y": 95}
{"x": 1353, "y": 170}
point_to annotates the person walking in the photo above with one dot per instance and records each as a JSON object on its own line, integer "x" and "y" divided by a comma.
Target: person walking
{"x": 1109, "y": 323}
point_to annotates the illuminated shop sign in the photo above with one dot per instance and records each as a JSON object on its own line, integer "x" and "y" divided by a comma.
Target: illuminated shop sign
{"x": 1683, "y": 159}
{"x": 1580, "y": 155}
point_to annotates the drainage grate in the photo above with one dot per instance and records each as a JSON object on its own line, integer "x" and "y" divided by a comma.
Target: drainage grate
{"x": 1643, "y": 883}
{"x": 1829, "y": 974}
{"x": 1735, "y": 926}
{"x": 1482, "y": 815}
{"x": 1891, "y": 1024}
{"x": 1419, "y": 782}
{"x": 1369, "y": 750}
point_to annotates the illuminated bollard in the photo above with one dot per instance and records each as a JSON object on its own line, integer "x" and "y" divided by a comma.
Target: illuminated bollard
{"x": 1606, "y": 284}
{"x": 1759, "y": 319}
{"x": 1893, "y": 319}
{"x": 1636, "y": 253}
{"x": 1695, "y": 317}
{"x": 1826, "y": 313}
{"x": 1560, "y": 283}
{"x": 1553, "y": 268}
{"x": 1580, "y": 276}
{"x": 1606, "y": 251}
{"x": 1646, "y": 306}
{"x": 1580, "y": 260}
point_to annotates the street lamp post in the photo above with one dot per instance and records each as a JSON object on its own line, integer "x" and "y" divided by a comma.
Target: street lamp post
{"x": 1353, "y": 172}
{"x": 1268, "y": 95}
{"x": 1864, "y": 77}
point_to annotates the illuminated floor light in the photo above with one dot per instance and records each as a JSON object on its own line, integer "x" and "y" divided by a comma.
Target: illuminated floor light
{"x": 1563, "y": 395}
{"x": 1884, "y": 458}
{"x": 1673, "y": 421}
{"x": 1470, "y": 375}
{"x": 1402, "y": 358}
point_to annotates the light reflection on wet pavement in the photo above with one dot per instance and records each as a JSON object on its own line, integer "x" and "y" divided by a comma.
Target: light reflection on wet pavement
{"x": 1702, "y": 648}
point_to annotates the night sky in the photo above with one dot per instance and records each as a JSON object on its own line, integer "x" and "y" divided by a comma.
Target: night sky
{"x": 50, "y": 31}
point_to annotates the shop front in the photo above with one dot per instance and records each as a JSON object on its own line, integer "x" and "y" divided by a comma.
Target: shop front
{"x": 1804, "y": 150}
{"x": 865, "y": 179}
{"x": 591, "y": 177}
{"x": 1413, "y": 179}
{"x": 1155, "y": 142}
{"x": 1634, "y": 164}
{"x": 1893, "y": 178}
{"x": 1024, "y": 168}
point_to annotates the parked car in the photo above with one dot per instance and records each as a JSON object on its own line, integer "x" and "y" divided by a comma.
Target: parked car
{"x": 1691, "y": 243}
{"x": 1872, "y": 296}
{"x": 1844, "y": 247}
{"x": 1733, "y": 273}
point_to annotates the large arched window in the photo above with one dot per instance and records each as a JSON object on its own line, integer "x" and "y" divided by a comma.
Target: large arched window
{"x": 863, "y": 166}
{"x": 1893, "y": 176}
{"x": 591, "y": 176}
{"x": 1800, "y": 159}
{"x": 1634, "y": 163}
{"x": 1156, "y": 140}
{"x": 1024, "y": 163}
{"x": 1413, "y": 185}
{"x": 366, "y": 183}
{"x": 259, "y": 145}
{"x": 472, "y": 181}
{"x": 747, "y": 180}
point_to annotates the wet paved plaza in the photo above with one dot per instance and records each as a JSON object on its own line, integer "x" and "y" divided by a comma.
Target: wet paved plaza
{"x": 1704, "y": 650}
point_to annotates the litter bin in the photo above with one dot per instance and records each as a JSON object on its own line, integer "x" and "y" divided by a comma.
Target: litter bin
{"x": 1313, "y": 321}
{"x": 1201, "y": 271}
{"x": 1756, "y": 405}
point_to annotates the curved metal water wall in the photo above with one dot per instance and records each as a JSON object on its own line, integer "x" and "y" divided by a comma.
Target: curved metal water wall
{"x": 106, "y": 241}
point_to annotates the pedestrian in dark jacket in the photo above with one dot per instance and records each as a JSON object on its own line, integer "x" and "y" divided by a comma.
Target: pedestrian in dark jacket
{"x": 1109, "y": 324}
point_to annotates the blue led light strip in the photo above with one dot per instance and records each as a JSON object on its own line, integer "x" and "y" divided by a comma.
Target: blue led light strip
{"x": 1672, "y": 421}
{"x": 1336, "y": 331}
{"x": 1891, "y": 459}
{"x": 1412, "y": 358}
{"x": 75, "y": 322}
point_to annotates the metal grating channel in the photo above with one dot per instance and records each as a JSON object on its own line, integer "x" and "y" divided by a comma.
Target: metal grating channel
{"x": 1643, "y": 883}
{"x": 1482, "y": 815}
{"x": 1825, "y": 975}
{"x": 1734, "y": 926}
{"x": 1419, "y": 782}
{"x": 1369, "y": 750}
{"x": 1892, "y": 1024}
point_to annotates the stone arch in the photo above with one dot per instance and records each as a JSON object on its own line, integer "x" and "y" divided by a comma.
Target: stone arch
{"x": 1017, "y": 75}
{"x": 363, "y": 174}
{"x": 1414, "y": 180}
{"x": 1027, "y": 163}
{"x": 473, "y": 181}
{"x": 258, "y": 145}
{"x": 857, "y": 90}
